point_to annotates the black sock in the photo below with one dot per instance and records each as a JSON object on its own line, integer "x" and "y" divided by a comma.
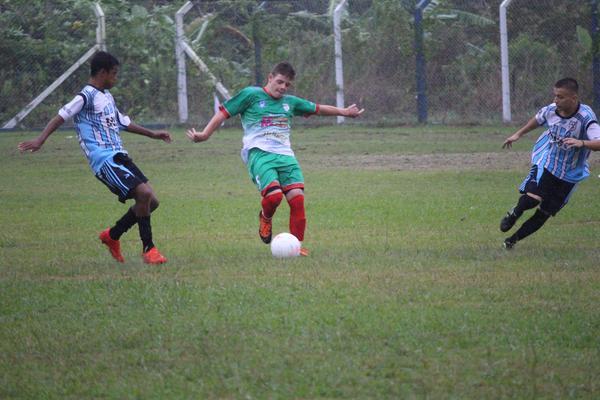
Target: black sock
{"x": 127, "y": 221}
{"x": 530, "y": 226}
{"x": 145, "y": 232}
{"x": 525, "y": 203}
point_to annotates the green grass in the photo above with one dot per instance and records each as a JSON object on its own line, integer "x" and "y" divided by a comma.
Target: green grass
{"x": 406, "y": 294}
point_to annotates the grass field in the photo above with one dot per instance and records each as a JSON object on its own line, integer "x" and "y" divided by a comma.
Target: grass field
{"x": 407, "y": 292}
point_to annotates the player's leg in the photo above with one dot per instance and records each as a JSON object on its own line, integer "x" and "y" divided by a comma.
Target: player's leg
{"x": 145, "y": 200}
{"x": 121, "y": 182}
{"x": 528, "y": 200}
{"x": 292, "y": 181}
{"x": 271, "y": 198}
{"x": 145, "y": 203}
{"x": 530, "y": 226}
{"x": 111, "y": 235}
{"x": 262, "y": 170}
{"x": 126, "y": 180}
{"x": 554, "y": 195}
{"x": 295, "y": 199}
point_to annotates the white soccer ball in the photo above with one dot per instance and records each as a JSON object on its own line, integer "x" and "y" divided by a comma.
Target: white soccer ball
{"x": 285, "y": 245}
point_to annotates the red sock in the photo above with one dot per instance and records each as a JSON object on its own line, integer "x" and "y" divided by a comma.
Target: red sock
{"x": 297, "y": 217}
{"x": 270, "y": 203}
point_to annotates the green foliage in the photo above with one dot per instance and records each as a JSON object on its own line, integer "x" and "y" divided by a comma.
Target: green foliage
{"x": 525, "y": 52}
{"x": 585, "y": 42}
{"x": 242, "y": 39}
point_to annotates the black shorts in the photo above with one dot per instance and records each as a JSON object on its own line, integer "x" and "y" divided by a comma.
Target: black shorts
{"x": 121, "y": 176}
{"x": 554, "y": 192}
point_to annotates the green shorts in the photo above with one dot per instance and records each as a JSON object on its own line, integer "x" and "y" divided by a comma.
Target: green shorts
{"x": 265, "y": 168}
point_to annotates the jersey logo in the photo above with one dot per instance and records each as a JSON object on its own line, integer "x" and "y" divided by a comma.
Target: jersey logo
{"x": 262, "y": 104}
{"x": 286, "y": 107}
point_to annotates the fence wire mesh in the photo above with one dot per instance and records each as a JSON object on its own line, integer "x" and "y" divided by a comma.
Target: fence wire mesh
{"x": 240, "y": 40}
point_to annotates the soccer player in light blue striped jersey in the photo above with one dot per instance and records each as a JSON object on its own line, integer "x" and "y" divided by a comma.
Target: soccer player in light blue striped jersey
{"x": 559, "y": 159}
{"x": 98, "y": 123}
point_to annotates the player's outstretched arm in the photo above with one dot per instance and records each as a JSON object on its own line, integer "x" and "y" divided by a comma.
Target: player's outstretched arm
{"x": 140, "y": 130}
{"x": 529, "y": 126}
{"x": 593, "y": 141}
{"x": 214, "y": 123}
{"x": 593, "y": 145}
{"x": 37, "y": 143}
{"x": 351, "y": 111}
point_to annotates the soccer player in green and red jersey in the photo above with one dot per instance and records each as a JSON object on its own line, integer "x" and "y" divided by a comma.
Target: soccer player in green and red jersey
{"x": 267, "y": 114}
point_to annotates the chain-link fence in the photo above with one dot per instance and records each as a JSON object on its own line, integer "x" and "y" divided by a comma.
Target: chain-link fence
{"x": 239, "y": 40}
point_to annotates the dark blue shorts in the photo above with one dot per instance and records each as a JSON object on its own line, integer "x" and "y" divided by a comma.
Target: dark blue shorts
{"x": 121, "y": 176}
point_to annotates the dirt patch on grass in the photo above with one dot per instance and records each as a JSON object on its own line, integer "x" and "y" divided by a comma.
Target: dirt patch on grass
{"x": 442, "y": 161}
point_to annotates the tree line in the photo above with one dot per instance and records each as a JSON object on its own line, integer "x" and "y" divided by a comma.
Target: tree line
{"x": 241, "y": 39}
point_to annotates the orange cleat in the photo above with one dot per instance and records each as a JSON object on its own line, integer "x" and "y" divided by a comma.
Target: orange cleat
{"x": 153, "y": 256}
{"x": 265, "y": 228}
{"x": 304, "y": 252}
{"x": 113, "y": 245}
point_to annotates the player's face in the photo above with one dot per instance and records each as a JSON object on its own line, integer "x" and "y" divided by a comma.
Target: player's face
{"x": 110, "y": 78}
{"x": 566, "y": 100}
{"x": 278, "y": 85}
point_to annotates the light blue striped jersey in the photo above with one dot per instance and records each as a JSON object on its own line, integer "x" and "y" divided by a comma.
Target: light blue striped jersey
{"x": 97, "y": 122}
{"x": 549, "y": 152}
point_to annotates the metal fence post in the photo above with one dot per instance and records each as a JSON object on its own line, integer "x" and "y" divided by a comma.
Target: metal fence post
{"x": 421, "y": 76}
{"x": 181, "y": 70}
{"x": 595, "y": 55}
{"x": 339, "y": 65}
{"x": 101, "y": 28}
{"x": 506, "y": 115}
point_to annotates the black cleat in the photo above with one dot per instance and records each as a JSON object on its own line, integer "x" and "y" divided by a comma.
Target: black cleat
{"x": 508, "y": 244}
{"x": 508, "y": 221}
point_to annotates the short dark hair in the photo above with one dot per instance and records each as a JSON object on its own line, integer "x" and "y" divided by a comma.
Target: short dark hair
{"x": 102, "y": 61}
{"x": 284, "y": 68}
{"x": 567, "y": 83}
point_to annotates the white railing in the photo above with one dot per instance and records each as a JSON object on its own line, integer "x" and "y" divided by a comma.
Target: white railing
{"x": 182, "y": 48}
{"x": 100, "y": 45}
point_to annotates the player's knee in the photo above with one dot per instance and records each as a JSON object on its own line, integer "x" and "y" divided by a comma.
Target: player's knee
{"x": 271, "y": 189}
{"x": 291, "y": 194}
{"x": 530, "y": 200}
{"x": 541, "y": 215}
{"x": 273, "y": 198}
{"x": 296, "y": 203}
{"x": 143, "y": 194}
{"x": 154, "y": 203}
{"x": 533, "y": 197}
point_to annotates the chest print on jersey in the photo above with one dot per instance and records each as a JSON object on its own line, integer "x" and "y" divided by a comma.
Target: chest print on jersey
{"x": 571, "y": 127}
{"x": 262, "y": 104}
{"x": 286, "y": 107}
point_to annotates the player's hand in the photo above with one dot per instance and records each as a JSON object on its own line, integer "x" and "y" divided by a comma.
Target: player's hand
{"x": 163, "y": 135}
{"x": 30, "y": 145}
{"x": 353, "y": 111}
{"x": 509, "y": 141}
{"x": 572, "y": 142}
{"x": 196, "y": 136}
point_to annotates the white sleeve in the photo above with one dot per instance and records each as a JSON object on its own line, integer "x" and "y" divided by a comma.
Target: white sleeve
{"x": 540, "y": 116}
{"x": 123, "y": 119}
{"x": 71, "y": 109}
{"x": 593, "y": 131}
